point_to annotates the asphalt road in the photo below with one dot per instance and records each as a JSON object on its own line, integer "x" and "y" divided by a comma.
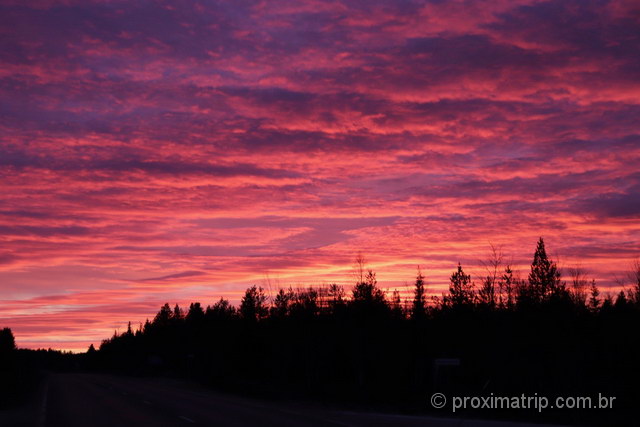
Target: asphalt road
{"x": 87, "y": 400}
{"x": 95, "y": 400}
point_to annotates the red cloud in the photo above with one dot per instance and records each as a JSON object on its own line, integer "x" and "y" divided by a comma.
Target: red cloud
{"x": 155, "y": 154}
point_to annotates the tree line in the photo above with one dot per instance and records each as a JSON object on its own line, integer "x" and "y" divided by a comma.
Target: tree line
{"x": 544, "y": 334}
{"x": 539, "y": 334}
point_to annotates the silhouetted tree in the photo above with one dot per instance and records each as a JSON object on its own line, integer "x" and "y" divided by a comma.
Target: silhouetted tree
{"x": 594, "y": 293}
{"x": 221, "y": 310}
{"x": 578, "y": 286}
{"x": 419, "y": 306}
{"x": 195, "y": 313}
{"x": 252, "y": 305}
{"x": 147, "y": 326}
{"x": 366, "y": 349}
{"x": 461, "y": 291}
{"x": 360, "y": 268}
{"x": 305, "y": 303}
{"x": 487, "y": 292}
{"x": 367, "y": 291}
{"x": 397, "y": 310}
{"x": 336, "y": 298}
{"x": 508, "y": 285}
{"x": 635, "y": 281}
{"x": 622, "y": 302}
{"x": 178, "y": 315}
{"x": 607, "y": 304}
{"x": 164, "y": 316}
{"x": 7, "y": 341}
{"x": 282, "y": 303}
{"x": 544, "y": 278}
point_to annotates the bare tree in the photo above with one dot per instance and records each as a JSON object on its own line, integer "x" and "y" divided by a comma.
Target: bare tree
{"x": 336, "y": 297}
{"x": 594, "y": 300}
{"x": 360, "y": 268}
{"x": 634, "y": 276}
{"x": 579, "y": 285}
{"x": 487, "y": 293}
{"x": 270, "y": 285}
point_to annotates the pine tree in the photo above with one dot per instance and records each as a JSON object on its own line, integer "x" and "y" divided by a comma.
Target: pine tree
{"x": 305, "y": 303}
{"x": 508, "y": 284}
{"x": 419, "y": 306}
{"x": 368, "y": 301}
{"x": 222, "y": 310}
{"x": 178, "y": 315}
{"x": 622, "y": 302}
{"x": 367, "y": 291}
{"x": 487, "y": 293}
{"x": 282, "y": 303}
{"x": 163, "y": 317}
{"x": 195, "y": 313}
{"x": 461, "y": 289}
{"x": 252, "y": 305}
{"x": 544, "y": 278}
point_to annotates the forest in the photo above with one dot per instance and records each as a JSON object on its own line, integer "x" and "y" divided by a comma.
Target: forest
{"x": 546, "y": 334}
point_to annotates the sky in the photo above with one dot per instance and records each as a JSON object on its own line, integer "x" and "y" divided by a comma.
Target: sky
{"x": 178, "y": 151}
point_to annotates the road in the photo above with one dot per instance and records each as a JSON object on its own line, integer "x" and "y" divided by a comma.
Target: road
{"x": 99, "y": 400}
{"x": 87, "y": 400}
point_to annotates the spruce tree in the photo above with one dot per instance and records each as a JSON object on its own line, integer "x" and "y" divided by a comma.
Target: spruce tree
{"x": 419, "y": 307}
{"x": 461, "y": 289}
{"x": 544, "y": 278}
{"x": 594, "y": 301}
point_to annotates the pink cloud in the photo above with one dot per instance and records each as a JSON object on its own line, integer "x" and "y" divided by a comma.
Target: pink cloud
{"x": 189, "y": 154}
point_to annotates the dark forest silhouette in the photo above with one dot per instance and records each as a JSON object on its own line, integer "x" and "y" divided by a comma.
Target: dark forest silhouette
{"x": 543, "y": 334}
{"x": 21, "y": 370}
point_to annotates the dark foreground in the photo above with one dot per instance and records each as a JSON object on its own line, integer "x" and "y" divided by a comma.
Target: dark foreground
{"x": 70, "y": 400}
